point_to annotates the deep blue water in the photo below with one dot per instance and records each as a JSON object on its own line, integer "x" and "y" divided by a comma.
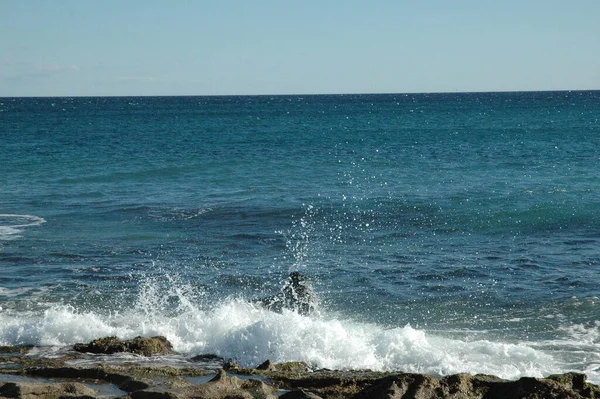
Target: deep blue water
{"x": 442, "y": 232}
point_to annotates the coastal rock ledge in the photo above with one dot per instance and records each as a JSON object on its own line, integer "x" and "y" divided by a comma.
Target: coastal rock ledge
{"x": 28, "y": 378}
{"x": 320, "y": 384}
{"x": 142, "y": 346}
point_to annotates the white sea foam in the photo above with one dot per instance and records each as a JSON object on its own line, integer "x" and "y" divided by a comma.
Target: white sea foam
{"x": 250, "y": 335}
{"x": 234, "y": 328}
{"x": 11, "y": 226}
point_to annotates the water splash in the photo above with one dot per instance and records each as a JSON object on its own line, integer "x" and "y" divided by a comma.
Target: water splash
{"x": 237, "y": 329}
{"x": 12, "y": 225}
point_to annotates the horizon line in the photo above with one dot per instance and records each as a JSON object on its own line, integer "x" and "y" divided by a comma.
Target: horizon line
{"x": 306, "y": 94}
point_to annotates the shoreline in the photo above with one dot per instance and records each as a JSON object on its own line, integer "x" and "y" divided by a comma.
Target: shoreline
{"x": 111, "y": 368}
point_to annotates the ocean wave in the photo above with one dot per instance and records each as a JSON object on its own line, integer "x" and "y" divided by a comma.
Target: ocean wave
{"x": 239, "y": 330}
{"x": 11, "y": 226}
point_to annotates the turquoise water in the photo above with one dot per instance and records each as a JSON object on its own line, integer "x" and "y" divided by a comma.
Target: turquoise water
{"x": 442, "y": 232}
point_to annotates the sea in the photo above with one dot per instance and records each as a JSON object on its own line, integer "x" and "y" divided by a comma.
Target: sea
{"x": 441, "y": 233}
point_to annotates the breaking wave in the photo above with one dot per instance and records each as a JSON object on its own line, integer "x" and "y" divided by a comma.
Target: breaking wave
{"x": 237, "y": 329}
{"x": 11, "y": 226}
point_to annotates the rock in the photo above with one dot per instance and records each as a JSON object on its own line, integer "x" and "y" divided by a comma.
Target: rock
{"x": 299, "y": 394}
{"x": 230, "y": 365}
{"x": 132, "y": 385}
{"x": 417, "y": 386}
{"x": 296, "y": 295}
{"x": 292, "y": 368}
{"x": 207, "y": 357}
{"x": 566, "y": 386}
{"x": 94, "y": 373}
{"x": 164, "y": 382}
{"x": 150, "y": 346}
{"x": 153, "y": 394}
{"x": 27, "y": 390}
{"x": 267, "y": 365}
{"x": 223, "y": 385}
{"x": 139, "y": 345}
{"x": 106, "y": 345}
{"x": 327, "y": 384}
{"x": 15, "y": 349}
{"x": 465, "y": 386}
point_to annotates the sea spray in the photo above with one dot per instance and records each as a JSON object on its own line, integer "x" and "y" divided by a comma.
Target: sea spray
{"x": 237, "y": 329}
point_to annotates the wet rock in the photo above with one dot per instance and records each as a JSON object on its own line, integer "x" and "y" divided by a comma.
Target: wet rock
{"x": 139, "y": 345}
{"x": 223, "y": 385}
{"x": 418, "y": 386}
{"x": 567, "y": 386}
{"x": 131, "y": 385}
{"x": 150, "y": 346}
{"x": 267, "y": 365}
{"x": 296, "y": 295}
{"x": 26, "y": 390}
{"x": 207, "y": 357}
{"x": 299, "y": 394}
{"x": 230, "y": 365}
{"x": 326, "y": 384}
{"x": 153, "y": 394}
{"x": 107, "y": 345}
{"x": 465, "y": 386}
{"x": 287, "y": 368}
{"x": 292, "y": 367}
{"x": 15, "y": 349}
{"x": 165, "y": 382}
{"x": 94, "y": 373}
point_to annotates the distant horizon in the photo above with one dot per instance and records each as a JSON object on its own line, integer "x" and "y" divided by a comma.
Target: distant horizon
{"x": 311, "y": 94}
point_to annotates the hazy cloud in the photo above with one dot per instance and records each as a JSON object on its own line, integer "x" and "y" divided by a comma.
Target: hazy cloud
{"x": 147, "y": 79}
{"x": 54, "y": 69}
{"x": 140, "y": 78}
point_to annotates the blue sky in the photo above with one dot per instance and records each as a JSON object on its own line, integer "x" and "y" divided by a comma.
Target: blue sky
{"x": 151, "y": 47}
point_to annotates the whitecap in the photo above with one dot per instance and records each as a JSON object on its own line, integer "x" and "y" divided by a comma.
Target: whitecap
{"x": 12, "y": 225}
{"x": 237, "y": 329}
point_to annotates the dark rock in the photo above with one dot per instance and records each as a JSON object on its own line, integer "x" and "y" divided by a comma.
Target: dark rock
{"x": 225, "y": 386}
{"x": 299, "y": 394}
{"x": 132, "y": 385}
{"x": 164, "y": 382}
{"x": 207, "y": 357}
{"x": 16, "y": 349}
{"x": 139, "y": 345}
{"x": 106, "y": 345}
{"x": 465, "y": 386}
{"x": 292, "y": 368}
{"x": 150, "y": 346}
{"x": 151, "y": 394}
{"x": 574, "y": 381}
{"x": 27, "y": 390}
{"x": 224, "y": 382}
{"x": 327, "y": 384}
{"x": 230, "y": 365}
{"x": 267, "y": 365}
{"x": 296, "y": 295}
{"x": 95, "y": 373}
{"x": 417, "y": 386}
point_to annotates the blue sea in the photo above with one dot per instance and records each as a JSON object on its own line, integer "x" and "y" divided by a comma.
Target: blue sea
{"x": 442, "y": 233}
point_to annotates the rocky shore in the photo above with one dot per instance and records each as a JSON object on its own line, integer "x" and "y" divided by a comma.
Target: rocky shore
{"x": 29, "y": 377}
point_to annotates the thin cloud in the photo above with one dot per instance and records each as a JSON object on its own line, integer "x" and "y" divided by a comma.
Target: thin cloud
{"x": 147, "y": 79}
{"x": 54, "y": 69}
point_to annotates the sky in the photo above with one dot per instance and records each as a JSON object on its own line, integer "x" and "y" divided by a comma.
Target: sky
{"x": 238, "y": 47}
